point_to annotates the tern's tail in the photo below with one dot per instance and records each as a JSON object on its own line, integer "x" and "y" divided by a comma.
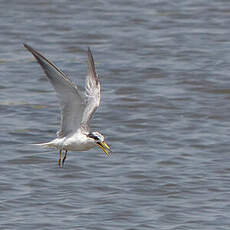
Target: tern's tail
{"x": 46, "y": 145}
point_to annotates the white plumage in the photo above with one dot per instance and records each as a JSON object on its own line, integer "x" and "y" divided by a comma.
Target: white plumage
{"x": 76, "y": 110}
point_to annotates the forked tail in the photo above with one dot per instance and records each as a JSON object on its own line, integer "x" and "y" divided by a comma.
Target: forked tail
{"x": 46, "y": 145}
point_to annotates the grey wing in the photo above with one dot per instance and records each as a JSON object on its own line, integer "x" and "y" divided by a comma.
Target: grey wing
{"x": 71, "y": 100}
{"x": 92, "y": 91}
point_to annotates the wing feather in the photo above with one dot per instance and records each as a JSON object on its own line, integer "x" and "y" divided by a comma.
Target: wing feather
{"x": 92, "y": 92}
{"x": 72, "y": 102}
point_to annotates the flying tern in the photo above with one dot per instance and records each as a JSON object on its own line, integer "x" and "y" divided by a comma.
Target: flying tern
{"x": 76, "y": 109}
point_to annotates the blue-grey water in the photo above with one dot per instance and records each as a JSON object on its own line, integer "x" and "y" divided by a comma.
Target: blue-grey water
{"x": 165, "y": 73}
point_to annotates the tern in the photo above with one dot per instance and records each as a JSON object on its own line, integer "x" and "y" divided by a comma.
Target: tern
{"x": 76, "y": 109}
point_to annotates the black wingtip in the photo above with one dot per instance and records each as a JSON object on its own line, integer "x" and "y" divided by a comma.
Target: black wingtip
{"x": 90, "y": 57}
{"x": 36, "y": 54}
{"x": 30, "y": 48}
{"x": 90, "y": 53}
{"x": 26, "y": 46}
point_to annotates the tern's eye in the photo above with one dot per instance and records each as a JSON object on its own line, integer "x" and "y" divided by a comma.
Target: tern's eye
{"x": 93, "y": 137}
{"x": 96, "y": 138}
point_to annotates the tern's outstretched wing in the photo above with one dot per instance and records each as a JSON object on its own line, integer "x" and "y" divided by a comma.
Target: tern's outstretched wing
{"x": 71, "y": 100}
{"x": 92, "y": 91}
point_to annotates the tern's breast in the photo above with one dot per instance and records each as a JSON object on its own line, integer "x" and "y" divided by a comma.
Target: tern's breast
{"x": 78, "y": 143}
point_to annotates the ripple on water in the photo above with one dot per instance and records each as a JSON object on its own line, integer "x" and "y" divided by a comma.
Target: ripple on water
{"x": 163, "y": 68}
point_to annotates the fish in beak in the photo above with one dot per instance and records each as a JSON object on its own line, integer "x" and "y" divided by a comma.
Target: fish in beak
{"x": 104, "y": 147}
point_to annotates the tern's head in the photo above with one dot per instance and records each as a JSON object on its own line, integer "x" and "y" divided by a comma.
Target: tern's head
{"x": 100, "y": 141}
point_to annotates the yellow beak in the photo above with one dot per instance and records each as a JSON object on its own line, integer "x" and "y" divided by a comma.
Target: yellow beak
{"x": 104, "y": 147}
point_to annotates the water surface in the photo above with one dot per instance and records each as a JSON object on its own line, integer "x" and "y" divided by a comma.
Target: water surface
{"x": 164, "y": 70}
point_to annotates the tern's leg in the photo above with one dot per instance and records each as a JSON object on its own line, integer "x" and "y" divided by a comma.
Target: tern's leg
{"x": 63, "y": 160}
{"x": 59, "y": 160}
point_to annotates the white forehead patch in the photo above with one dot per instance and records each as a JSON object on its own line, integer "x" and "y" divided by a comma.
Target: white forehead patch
{"x": 98, "y": 135}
